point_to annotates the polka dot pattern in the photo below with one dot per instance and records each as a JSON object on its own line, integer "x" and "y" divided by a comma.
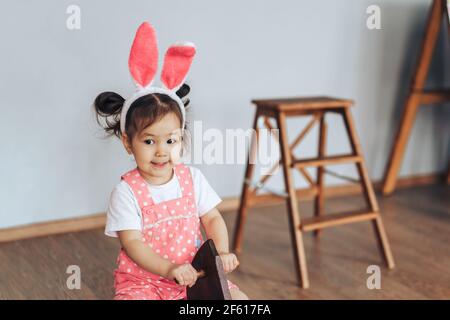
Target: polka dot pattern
{"x": 171, "y": 229}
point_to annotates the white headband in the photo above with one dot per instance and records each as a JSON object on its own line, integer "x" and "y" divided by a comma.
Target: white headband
{"x": 143, "y": 64}
{"x": 144, "y": 92}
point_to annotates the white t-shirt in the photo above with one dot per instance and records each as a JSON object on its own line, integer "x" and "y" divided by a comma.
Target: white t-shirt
{"x": 124, "y": 212}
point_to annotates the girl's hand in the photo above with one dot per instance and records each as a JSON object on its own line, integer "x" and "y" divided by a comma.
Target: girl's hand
{"x": 229, "y": 261}
{"x": 184, "y": 274}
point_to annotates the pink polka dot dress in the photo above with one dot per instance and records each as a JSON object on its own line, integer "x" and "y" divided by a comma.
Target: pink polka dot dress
{"x": 172, "y": 229}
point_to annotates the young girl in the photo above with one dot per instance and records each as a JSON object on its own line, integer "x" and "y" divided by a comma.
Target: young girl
{"x": 157, "y": 208}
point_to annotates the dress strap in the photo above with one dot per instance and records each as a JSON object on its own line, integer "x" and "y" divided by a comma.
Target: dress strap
{"x": 139, "y": 187}
{"x": 185, "y": 180}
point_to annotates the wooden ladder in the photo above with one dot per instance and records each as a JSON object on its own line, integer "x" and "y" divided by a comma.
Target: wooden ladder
{"x": 317, "y": 107}
{"x": 417, "y": 96}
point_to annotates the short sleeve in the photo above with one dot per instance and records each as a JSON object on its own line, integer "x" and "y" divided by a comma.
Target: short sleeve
{"x": 123, "y": 211}
{"x": 205, "y": 196}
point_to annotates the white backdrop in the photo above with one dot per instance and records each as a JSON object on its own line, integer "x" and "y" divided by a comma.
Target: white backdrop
{"x": 54, "y": 164}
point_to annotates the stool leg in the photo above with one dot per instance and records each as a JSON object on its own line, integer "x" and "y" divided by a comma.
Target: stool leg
{"x": 242, "y": 212}
{"x": 448, "y": 174}
{"x": 398, "y": 149}
{"x": 383, "y": 242}
{"x": 319, "y": 199}
{"x": 293, "y": 215}
{"x": 368, "y": 190}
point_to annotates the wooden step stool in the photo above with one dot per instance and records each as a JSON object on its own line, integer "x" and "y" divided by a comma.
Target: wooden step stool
{"x": 280, "y": 109}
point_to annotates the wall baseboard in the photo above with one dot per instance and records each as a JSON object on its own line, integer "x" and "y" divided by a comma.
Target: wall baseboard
{"x": 228, "y": 204}
{"x": 53, "y": 227}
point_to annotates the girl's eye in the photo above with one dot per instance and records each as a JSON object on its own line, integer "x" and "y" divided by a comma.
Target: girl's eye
{"x": 149, "y": 141}
{"x": 171, "y": 141}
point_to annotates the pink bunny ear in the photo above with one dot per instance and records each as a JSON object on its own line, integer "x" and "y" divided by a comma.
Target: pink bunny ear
{"x": 143, "y": 60}
{"x": 177, "y": 62}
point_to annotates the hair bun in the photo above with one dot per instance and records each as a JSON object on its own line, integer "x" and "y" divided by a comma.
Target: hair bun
{"x": 108, "y": 103}
{"x": 108, "y": 106}
{"x": 183, "y": 92}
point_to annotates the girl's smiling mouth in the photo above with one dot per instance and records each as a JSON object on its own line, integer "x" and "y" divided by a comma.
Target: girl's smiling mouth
{"x": 159, "y": 165}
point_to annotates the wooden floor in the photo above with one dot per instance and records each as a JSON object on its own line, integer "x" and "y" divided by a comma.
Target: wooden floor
{"x": 417, "y": 222}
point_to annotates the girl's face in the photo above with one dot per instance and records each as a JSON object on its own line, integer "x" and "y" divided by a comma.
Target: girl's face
{"x": 157, "y": 149}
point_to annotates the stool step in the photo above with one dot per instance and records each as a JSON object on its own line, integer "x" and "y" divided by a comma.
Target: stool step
{"x": 322, "y": 161}
{"x": 305, "y": 103}
{"x": 433, "y": 96}
{"x": 325, "y": 221}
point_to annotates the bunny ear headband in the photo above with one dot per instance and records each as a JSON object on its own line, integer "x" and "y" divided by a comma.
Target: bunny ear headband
{"x": 143, "y": 64}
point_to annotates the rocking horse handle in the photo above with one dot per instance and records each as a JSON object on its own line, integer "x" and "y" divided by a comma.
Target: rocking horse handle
{"x": 200, "y": 274}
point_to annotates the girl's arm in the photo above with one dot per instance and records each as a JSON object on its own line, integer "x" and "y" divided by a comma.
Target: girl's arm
{"x": 146, "y": 258}
{"x": 142, "y": 254}
{"x": 216, "y": 229}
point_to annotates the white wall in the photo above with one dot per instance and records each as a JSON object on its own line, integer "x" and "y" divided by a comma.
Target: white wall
{"x": 54, "y": 164}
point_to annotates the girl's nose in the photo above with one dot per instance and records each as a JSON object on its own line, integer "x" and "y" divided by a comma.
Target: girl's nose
{"x": 161, "y": 151}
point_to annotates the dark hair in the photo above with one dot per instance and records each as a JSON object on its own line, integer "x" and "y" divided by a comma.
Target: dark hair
{"x": 143, "y": 111}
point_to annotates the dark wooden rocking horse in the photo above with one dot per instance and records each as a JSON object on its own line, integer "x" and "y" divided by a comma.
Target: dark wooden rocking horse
{"x": 212, "y": 281}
